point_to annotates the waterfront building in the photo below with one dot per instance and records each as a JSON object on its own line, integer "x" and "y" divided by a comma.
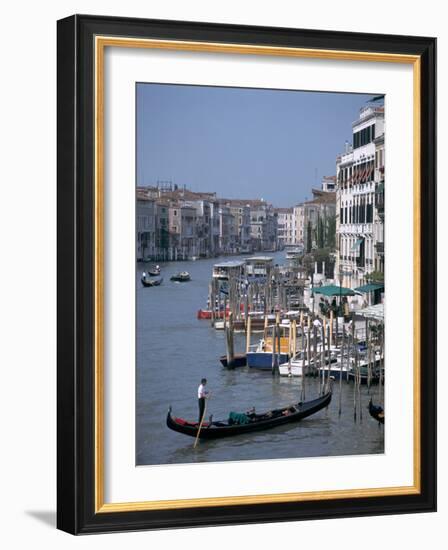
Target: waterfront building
{"x": 226, "y": 234}
{"x": 286, "y": 227}
{"x": 378, "y": 219}
{"x": 145, "y": 228}
{"x": 162, "y": 231}
{"x": 240, "y": 211}
{"x": 263, "y": 226}
{"x": 203, "y": 227}
{"x": 189, "y": 224}
{"x": 174, "y": 226}
{"x": 271, "y": 235}
{"x": 360, "y": 206}
{"x": 182, "y": 231}
{"x": 188, "y": 234}
{"x": 315, "y": 221}
{"x": 215, "y": 228}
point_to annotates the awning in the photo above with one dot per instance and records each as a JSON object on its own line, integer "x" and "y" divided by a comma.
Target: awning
{"x": 333, "y": 290}
{"x": 370, "y": 287}
{"x": 357, "y": 244}
{"x": 372, "y": 312}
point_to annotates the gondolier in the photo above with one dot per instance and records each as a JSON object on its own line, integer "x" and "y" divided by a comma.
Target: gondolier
{"x": 202, "y": 396}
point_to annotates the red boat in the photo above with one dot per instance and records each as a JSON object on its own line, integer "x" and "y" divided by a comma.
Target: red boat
{"x": 207, "y": 313}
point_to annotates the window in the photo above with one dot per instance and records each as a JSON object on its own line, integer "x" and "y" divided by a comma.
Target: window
{"x": 364, "y": 136}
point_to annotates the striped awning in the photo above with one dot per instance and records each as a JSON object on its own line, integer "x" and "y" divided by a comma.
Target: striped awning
{"x": 357, "y": 244}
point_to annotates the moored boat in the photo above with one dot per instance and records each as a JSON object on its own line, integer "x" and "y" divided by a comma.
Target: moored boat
{"x": 298, "y": 365}
{"x": 208, "y": 313}
{"x": 242, "y": 423}
{"x": 272, "y": 348}
{"x": 239, "y": 360}
{"x": 336, "y": 371}
{"x": 181, "y": 277}
{"x": 263, "y": 359}
{"x": 366, "y": 377}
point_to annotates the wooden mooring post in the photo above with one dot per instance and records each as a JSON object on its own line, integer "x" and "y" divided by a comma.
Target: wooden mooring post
{"x": 341, "y": 370}
{"x": 331, "y": 327}
{"x": 229, "y": 340}
{"x": 248, "y": 333}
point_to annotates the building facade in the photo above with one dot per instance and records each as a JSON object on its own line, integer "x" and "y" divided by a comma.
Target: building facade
{"x": 145, "y": 228}
{"x": 360, "y": 190}
{"x": 315, "y": 221}
{"x": 178, "y": 224}
{"x": 286, "y": 227}
{"x": 240, "y": 212}
{"x": 263, "y": 226}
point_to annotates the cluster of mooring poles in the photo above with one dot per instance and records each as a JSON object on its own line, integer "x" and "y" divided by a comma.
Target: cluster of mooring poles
{"x": 324, "y": 347}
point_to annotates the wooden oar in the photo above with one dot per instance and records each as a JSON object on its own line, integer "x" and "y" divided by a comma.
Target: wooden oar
{"x": 200, "y": 425}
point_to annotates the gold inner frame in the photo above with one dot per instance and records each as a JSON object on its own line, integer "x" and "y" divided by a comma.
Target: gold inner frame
{"x": 101, "y": 42}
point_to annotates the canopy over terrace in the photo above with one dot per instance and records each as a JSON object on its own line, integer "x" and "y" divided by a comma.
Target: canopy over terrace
{"x": 370, "y": 287}
{"x": 375, "y": 312}
{"x": 333, "y": 290}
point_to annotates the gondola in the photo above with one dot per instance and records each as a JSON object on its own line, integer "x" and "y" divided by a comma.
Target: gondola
{"x": 151, "y": 282}
{"x": 376, "y": 412}
{"x": 248, "y": 422}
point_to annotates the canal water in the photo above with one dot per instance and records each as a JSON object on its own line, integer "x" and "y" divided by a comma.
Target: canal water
{"x": 175, "y": 350}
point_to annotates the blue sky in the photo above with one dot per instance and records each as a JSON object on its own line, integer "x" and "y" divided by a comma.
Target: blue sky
{"x": 242, "y": 143}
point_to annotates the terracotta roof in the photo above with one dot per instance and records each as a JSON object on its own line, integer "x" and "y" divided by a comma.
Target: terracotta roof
{"x": 325, "y": 197}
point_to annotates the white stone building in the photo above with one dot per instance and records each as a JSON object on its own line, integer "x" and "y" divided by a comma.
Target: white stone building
{"x": 359, "y": 224}
{"x": 286, "y": 227}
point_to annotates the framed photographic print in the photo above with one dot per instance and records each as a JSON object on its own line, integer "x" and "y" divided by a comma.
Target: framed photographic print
{"x": 246, "y": 266}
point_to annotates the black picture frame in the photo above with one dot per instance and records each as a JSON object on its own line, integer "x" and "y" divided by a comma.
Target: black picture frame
{"x": 76, "y": 512}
